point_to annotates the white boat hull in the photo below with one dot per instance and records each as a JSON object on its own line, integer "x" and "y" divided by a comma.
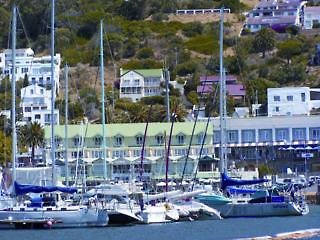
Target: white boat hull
{"x": 196, "y": 210}
{"x": 56, "y": 217}
{"x": 154, "y": 214}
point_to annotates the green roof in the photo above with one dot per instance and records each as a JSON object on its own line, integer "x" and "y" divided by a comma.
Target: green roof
{"x": 146, "y": 72}
{"x": 128, "y": 129}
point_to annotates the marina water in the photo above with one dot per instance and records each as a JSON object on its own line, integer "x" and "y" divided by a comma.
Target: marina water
{"x": 233, "y": 228}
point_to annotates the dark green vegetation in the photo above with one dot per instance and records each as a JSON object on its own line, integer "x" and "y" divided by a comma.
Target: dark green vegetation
{"x": 139, "y": 35}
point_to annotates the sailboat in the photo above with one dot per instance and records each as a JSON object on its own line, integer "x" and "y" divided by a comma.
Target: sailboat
{"x": 47, "y": 209}
{"x": 162, "y": 211}
{"x": 261, "y": 203}
{"x": 115, "y": 199}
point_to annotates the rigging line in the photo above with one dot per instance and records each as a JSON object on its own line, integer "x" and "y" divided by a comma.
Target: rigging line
{"x": 23, "y": 27}
{"x": 98, "y": 67}
{"x": 193, "y": 130}
{"x": 200, "y": 153}
{"x": 191, "y": 138}
{"x": 203, "y": 142}
{"x": 143, "y": 144}
{"x": 109, "y": 47}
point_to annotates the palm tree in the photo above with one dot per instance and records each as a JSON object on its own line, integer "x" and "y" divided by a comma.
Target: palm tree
{"x": 177, "y": 107}
{"x": 32, "y": 135}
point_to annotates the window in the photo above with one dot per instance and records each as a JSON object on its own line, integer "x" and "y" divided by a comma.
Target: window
{"x": 276, "y": 98}
{"x": 180, "y": 139}
{"x": 48, "y": 79}
{"x": 58, "y": 141}
{"x": 118, "y": 140}
{"x": 248, "y": 136}
{"x": 33, "y": 80}
{"x": 31, "y": 91}
{"x": 265, "y": 135}
{"x": 232, "y": 136}
{"x": 282, "y": 134}
{"x": 98, "y": 141}
{"x": 200, "y": 138}
{"x": 277, "y": 109}
{"x": 76, "y": 154}
{"x": 289, "y": 98}
{"x": 41, "y": 91}
{"x": 47, "y": 117}
{"x": 24, "y": 70}
{"x": 136, "y": 82}
{"x": 37, "y": 116}
{"x": 139, "y": 140}
{"x": 303, "y": 97}
{"x": 298, "y": 134}
{"x": 315, "y": 134}
{"x": 216, "y": 137}
{"x": 159, "y": 139}
{"x": 97, "y": 154}
{"x": 27, "y": 109}
{"x": 77, "y": 141}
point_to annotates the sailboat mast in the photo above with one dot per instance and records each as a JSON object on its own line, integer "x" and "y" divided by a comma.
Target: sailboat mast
{"x": 223, "y": 157}
{"x": 104, "y": 153}
{"x": 52, "y": 118}
{"x": 167, "y": 79}
{"x": 66, "y": 125}
{"x": 173, "y": 117}
{"x": 13, "y": 89}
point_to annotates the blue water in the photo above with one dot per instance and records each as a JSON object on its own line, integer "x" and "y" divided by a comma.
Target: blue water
{"x": 197, "y": 230}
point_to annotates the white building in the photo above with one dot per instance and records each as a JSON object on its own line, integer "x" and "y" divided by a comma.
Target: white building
{"x": 292, "y": 101}
{"x": 37, "y": 69}
{"x": 275, "y": 14}
{"x": 136, "y": 84}
{"x": 311, "y": 16}
{"x": 36, "y": 105}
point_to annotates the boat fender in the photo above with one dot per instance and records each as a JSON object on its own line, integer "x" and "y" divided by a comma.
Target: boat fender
{"x": 49, "y": 224}
{"x": 167, "y": 206}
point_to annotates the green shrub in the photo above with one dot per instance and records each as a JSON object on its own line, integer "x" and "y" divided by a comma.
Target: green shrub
{"x": 203, "y": 44}
{"x": 144, "y": 53}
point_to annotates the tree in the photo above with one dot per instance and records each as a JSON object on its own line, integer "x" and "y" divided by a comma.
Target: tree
{"x": 264, "y": 170}
{"x": 193, "y": 98}
{"x": 32, "y": 135}
{"x": 133, "y": 10}
{"x": 289, "y": 48}
{"x": 177, "y": 107}
{"x": 6, "y": 148}
{"x": 193, "y": 29}
{"x": 284, "y": 74}
{"x": 258, "y": 86}
{"x": 293, "y": 30}
{"x": 144, "y": 53}
{"x": 264, "y": 41}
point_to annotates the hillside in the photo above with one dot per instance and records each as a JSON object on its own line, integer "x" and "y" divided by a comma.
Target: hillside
{"x": 141, "y": 34}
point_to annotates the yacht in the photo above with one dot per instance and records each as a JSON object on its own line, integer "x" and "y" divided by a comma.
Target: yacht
{"x": 49, "y": 211}
{"x": 122, "y": 210}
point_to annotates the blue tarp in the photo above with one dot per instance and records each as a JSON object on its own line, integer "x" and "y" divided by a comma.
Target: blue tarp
{"x": 227, "y": 181}
{"x": 21, "y": 189}
{"x": 234, "y": 190}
